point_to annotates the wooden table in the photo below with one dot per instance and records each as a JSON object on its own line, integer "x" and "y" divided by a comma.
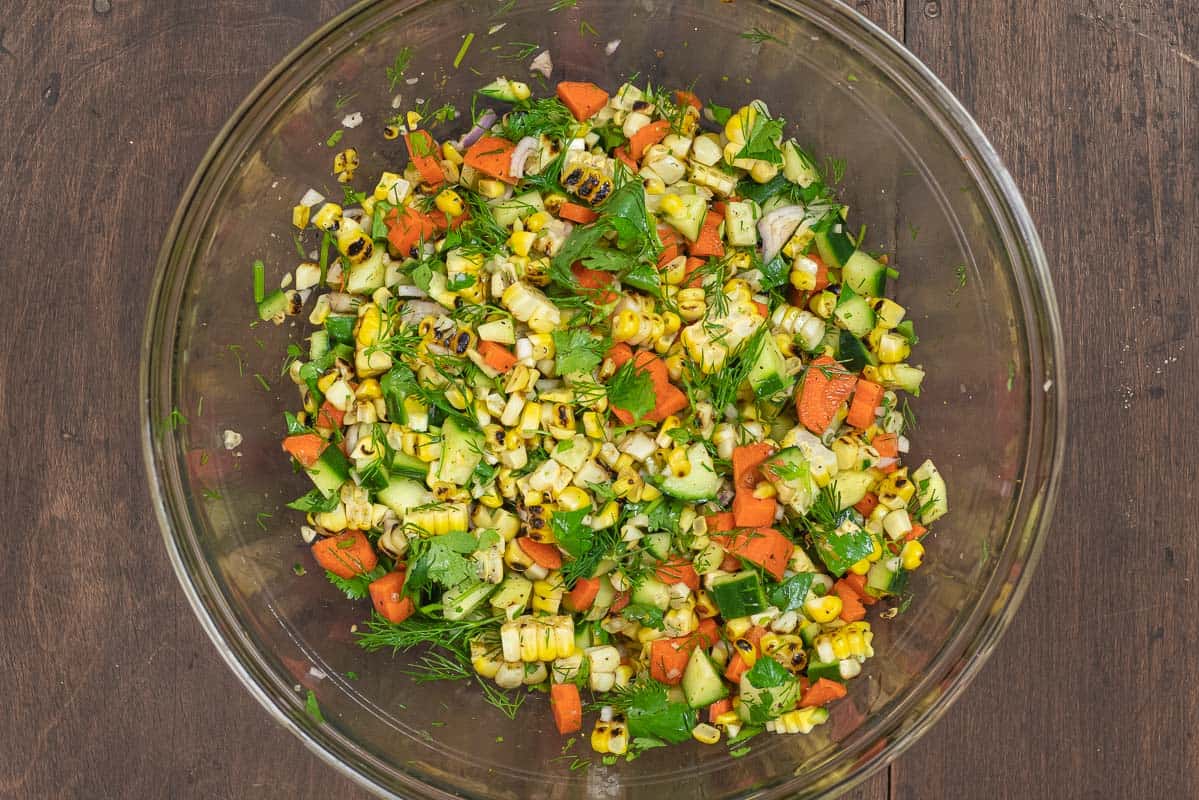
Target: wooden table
{"x": 111, "y": 688}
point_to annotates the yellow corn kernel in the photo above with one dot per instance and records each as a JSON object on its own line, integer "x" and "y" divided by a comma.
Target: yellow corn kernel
{"x": 912, "y": 555}
{"x": 705, "y": 733}
{"x": 728, "y": 718}
{"x": 491, "y": 189}
{"x": 861, "y": 567}
{"x": 593, "y": 425}
{"x": 328, "y": 218}
{"x": 391, "y": 132}
{"x": 547, "y": 595}
{"x": 822, "y": 304}
{"x": 607, "y": 517}
{"x": 823, "y": 609}
{"x": 450, "y": 153}
{"x": 747, "y": 651}
{"x": 536, "y": 221}
{"x": 369, "y": 321}
{"x": 530, "y": 418}
{"x": 648, "y": 493}
{"x": 692, "y": 304}
{"x": 626, "y": 325}
{"x": 740, "y": 124}
{"x": 737, "y": 627}
{"x": 704, "y": 607}
{"x": 601, "y": 734}
{"x": 300, "y": 216}
{"x": 672, "y": 205}
{"x": 765, "y": 490}
{"x": 679, "y": 463}
{"x": 572, "y": 498}
{"x": 369, "y": 389}
{"x": 521, "y": 242}
{"x": 654, "y": 186}
{"x": 449, "y": 203}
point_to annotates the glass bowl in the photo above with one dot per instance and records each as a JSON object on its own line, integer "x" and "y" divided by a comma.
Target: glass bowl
{"x": 918, "y": 172}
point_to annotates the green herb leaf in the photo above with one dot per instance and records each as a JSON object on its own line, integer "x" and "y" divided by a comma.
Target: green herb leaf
{"x": 571, "y": 534}
{"x": 720, "y": 113}
{"x": 842, "y": 547}
{"x": 644, "y": 614}
{"x": 650, "y": 713}
{"x": 313, "y": 708}
{"x": 357, "y": 587}
{"x": 632, "y": 390}
{"x": 576, "y": 350}
{"x": 789, "y": 595}
{"x": 775, "y": 273}
{"x": 762, "y": 142}
{"x": 766, "y": 673}
{"x": 315, "y": 502}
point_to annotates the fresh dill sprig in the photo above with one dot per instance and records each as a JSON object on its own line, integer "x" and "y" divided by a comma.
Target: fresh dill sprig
{"x": 395, "y": 73}
{"x": 507, "y": 704}
{"x": 517, "y": 51}
{"x": 562, "y": 5}
{"x": 759, "y": 36}
{"x": 381, "y": 634}
{"x": 438, "y": 666}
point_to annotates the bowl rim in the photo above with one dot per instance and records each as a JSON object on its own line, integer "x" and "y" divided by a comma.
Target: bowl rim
{"x": 1041, "y": 323}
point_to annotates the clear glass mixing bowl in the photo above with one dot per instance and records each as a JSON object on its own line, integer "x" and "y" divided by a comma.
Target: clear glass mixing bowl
{"x": 919, "y": 173}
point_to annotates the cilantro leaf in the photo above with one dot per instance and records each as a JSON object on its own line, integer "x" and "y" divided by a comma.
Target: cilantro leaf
{"x": 843, "y": 546}
{"x": 789, "y": 595}
{"x": 442, "y": 560}
{"x": 650, "y": 713}
{"x": 577, "y": 350}
{"x": 632, "y": 390}
{"x": 571, "y": 534}
{"x": 775, "y": 273}
{"x": 644, "y": 614}
{"x": 762, "y": 142}
{"x": 313, "y": 708}
{"x": 720, "y": 113}
{"x": 357, "y": 587}
{"x": 315, "y": 502}
{"x": 766, "y": 673}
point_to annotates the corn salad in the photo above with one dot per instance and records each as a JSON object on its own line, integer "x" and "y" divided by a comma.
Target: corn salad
{"x": 602, "y": 397}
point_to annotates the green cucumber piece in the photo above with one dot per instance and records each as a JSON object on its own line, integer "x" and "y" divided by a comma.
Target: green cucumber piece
{"x": 702, "y": 684}
{"x": 881, "y": 577}
{"x": 768, "y": 376}
{"x": 652, "y": 592}
{"x": 864, "y": 275}
{"x": 834, "y": 247}
{"x": 318, "y": 345}
{"x": 702, "y": 483}
{"x": 658, "y": 544}
{"x": 330, "y": 471}
{"x": 403, "y": 494}
{"x": 824, "y": 669}
{"x": 930, "y": 492}
{"x": 513, "y": 596}
{"x": 461, "y": 452}
{"x": 508, "y": 211}
{"x": 273, "y": 305}
{"x": 459, "y": 602}
{"x": 852, "y": 352}
{"x": 740, "y": 223}
{"x": 408, "y": 466}
{"x": 739, "y": 594}
{"x": 369, "y": 276}
{"x": 689, "y": 222}
{"x": 853, "y": 312}
{"x": 340, "y": 328}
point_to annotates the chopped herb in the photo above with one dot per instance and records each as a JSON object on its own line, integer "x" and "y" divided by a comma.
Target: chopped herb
{"x": 518, "y": 51}
{"x": 395, "y": 73}
{"x": 585, "y": 29}
{"x": 913, "y": 230}
{"x": 172, "y": 422}
{"x": 962, "y": 276}
{"x": 644, "y": 614}
{"x": 1011, "y": 375}
{"x": 343, "y": 100}
{"x": 260, "y": 519}
{"x": 315, "y": 502}
{"x": 576, "y": 350}
{"x": 211, "y": 494}
{"x": 720, "y": 113}
{"x": 313, "y": 708}
{"x": 334, "y": 138}
{"x": 470, "y": 37}
{"x": 759, "y": 36}
{"x": 632, "y": 390}
{"x": 851, "y": 78}
{"x": 834, "y": 169}
{"x": 298, "y": 569}
{"x": 739, "y": 752}
{"x": 262, "y": 382}
{"x": 561, "y": 5}
{"x": 259, "y": 281}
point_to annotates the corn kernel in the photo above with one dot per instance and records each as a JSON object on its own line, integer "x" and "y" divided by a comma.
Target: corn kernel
{"x": 449, "y": 203}
{"x": 672, "y": 205}
{"x": 521, "y": 242}
{"x": 912, "y": 555}
{"x": 536, "y": 221}
{"x": 823, "y": 609}
{"x": 491, "y": 189}
{"x": 300, "y": 216}
{"x": 861, "y": 567}
{"x": 705, "y": 733}
{"x": 450, "y": 153}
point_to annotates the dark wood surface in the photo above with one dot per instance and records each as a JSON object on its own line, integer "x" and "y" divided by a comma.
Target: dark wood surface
{"x": 112, "y": 690}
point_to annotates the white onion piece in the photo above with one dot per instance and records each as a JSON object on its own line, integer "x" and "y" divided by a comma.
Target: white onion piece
{"x": 410, "y": 292}
{"x": 776, "y": 228}
{"x": 885, "y": 462}
{"x": 524, "y": 149}
{"x": 340, "y": 302}
{"x": 416, "y": 310}
{"x": 485, "y": 121}
{"x": 543, "y": 64}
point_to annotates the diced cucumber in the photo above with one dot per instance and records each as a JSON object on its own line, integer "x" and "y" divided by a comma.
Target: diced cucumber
{"x": 318, "y": 345}
{"x": 658, "y": 544}
{"x": 852, "y": 487}
{"x": 708, "y": 559}
{"x": 825, "y": 669}
{"x": 768, "y": 376}
{"x": 408, "y": 466}
{"x": 740, "y": 222}
{"x": 572, "y": 453}
{"x": 273, "y": 305}
{"x": 603, "y": 599}
{"x": 852, "y": 352}
{"x": 907, "y": 377}
{"x": 930, "y": 492}
{"x": 330, "y": 471}
{"x": 791, "y": 474}
{"x": 462, "y": 600}
{"x": 691, "y": 219}
{"x": 702, "y": 483}
{"x": 498, "y": 330}
{"x": 503, "y": 89}
{"x": 367, "y": 277}
{"x": 864, "y": 275}
{"x": 798, "y": 166}
{"x": 402, "y": 494}
{"x": 853, "y": 312}
{"x": 523, "y": 205}
{"x": 652, "y": 592}
{"x": 808, "y": 632}
{"x": 340, "y": 328}
{"x": 461, "y": 451}
{"x": 739, "y": 594}
{"x": 834, "y": 247}
{"x": 513, "y": 596}
{"x": 759, "y": 704}
{"x": 702, "y": 685}
{"x": 881, "y": 576}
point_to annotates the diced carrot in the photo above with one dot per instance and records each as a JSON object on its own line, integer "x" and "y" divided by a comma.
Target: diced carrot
{"x": 329, "y": 416}
{"x": 668, "y": 236}
{"x": 821, "y": 272}
{"x": 887, "y": 445}
{"x": 804, "y": 683}
{"x": 619, "y": 353}
{"x": 858, "y": 584}
{"x": 573, "y": 212}
{"x": 305, "y": 448}
{"x": 669, "y": 253}
{"x": 620, "y": 602}
{"x": 719, "y": 207}
{"x": 719, "y": 707}
{"x": 708, "y": 242}
{"x": 581, "y": 597}
{"x": 623, "y": 154}
{"x": 423, "y": 155}
{"x": 567, "y": 707}
{"x": 736, "y": 668}
{"x": 821, "y": 693}
{"x": 492, "y": 156}
{"x": 387, "y": 593}
{"x": 916, "y": 532}
{"x": 753, "y": 512}
{"x": 496, "y": 356}
{"x": 547, "y": 555}
{"x": 649, "y": 135}
{"x": 852, "y": 609}
{"x": 866, "y": 504}
{"x": 730, "y": 563}
{"x": 584, "y": 99}
{"x": 825, "y": 386}
{"x": 763, "y": 309}
{"x": 765, "y": 547}
{"x": 690, "y": 281}
{"x": 720, "y": 522}
{"x": 754, "y": 635}
{"x": 408, "y": 227}
{"x": 707, "y": 633}
{"x": 678, "y": 570}
{"x": 595, "y": 280}
{"x": 747, "y": 461}
{"x": 686, "y": 98}
{"x": 668, "y": 660}
{"x": 867, "y": 396}
{"x": 346, "y": 554}
{"x": 668, "y": 398}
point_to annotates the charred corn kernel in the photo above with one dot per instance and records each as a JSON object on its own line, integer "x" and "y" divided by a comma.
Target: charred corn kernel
{"x": 627, "y": 482}
{"x": 692, "y": 304}
{"x": 822, "y": 304}
{"x": 893, "y": 348}
{"x": 486, "y": 660}
{"x": 587, "y": 182}
{"x": 705, "y": 733}
{"x": 912, "y": 555}
{"x": 654, "y": 185}
{"x": 800, "y": 720}
{"x": 672, "y": 205}
{"x": 860, "y": 567}
{"x": 328, "y": 218}
{"x": 728, "y": 718}
{"x": 679, "y": 463}
{"x": 547, "y": 594}
{"x": 671, "y": 322}
{"x": 823, "y": 609}
{"x": 601, "y": 734}
{"x": 449, "y": 203}
{"x": 300, "y": 215}
{"x": 593, "y": 425}
{"x": 704, "y": 607}
{"x": 391, "y": 132}
{"x": 536, "y": 221}
{"x": 737, "y": 627}
{"x": 607, "y": 517}
{"x": 623, "y": 676}
{"x": 491, "y": 189}
{"x": 346, "y": 162}
{"x": 625, "y": 326}
{"x": 530, "y": 418}
{"x": 521, "y": 242}
{"x": 888, "y": 313}
{"x": 542, "y": 345}
{"x": 896, "y": 490}
{"x": 747, "y": 651}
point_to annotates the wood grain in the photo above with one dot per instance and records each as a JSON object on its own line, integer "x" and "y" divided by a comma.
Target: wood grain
{"x": 113, "y": 690}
